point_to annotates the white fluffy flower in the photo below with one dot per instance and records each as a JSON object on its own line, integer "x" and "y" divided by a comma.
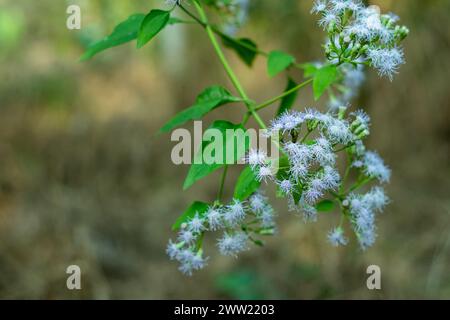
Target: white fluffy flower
{"x": 231, "y": 244}
{"x": 376, "y": 198}
{"x": 323, "y": 152}
{"x": 286, "y": 122}
{"x": 328, "y": 18}
{"x": 286, "y": 186}
{"x": 214, "y": 218}
{"x": 172, "y": 250}
{"x": 196, "y": 224}
{"x": 186, "y": 236}
{"x": 264, "y": 173}
{"x": 234, "y": 213}
{"x": 267, "y": 216}
{"x": 387, "y": 61}
{"x": 314, "y": 192}
{"x": 374, "y": 167}
{"x": 319, "y": 6}
{"x": 338, "y": 131}
{"x": 336, "y": 237}
{"x": 331, "y": 178}
{"x": 198, "y": 262}
{"x": 191, "y": 261}
{"x": 339, "y": 6}
{"x": 257, "y": 202}
{"x": 299, "y": 170}
{"x": 362, "y": 210}
{"x": 256, "y": 158}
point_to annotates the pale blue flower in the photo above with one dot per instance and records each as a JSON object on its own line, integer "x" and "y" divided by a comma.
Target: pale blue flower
{"x": 386, "y": 61}
{"x": 186, "y": 236}
{"x": 256, "y": 158}
{"x": 232, "y": 244}
{"x": 196, "y": 224}
{"x": 214, "y": 217}
{"x": 374, "y": 167}
{"x": 336, "y": 237}
{"x": 257, "y": 202}
{"x": 319, "y": 6}
{"x": 234, "y": 213}
{"x": 264, "y": 173}
{"x": 286, "y": 186}
{"x": 172, "y": 250}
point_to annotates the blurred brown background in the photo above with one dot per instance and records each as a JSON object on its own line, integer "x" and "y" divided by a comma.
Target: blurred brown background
{"x": 84, "y": 180}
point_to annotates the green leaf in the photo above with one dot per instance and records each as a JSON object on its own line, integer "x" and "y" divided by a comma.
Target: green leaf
{"x": 309, "y": 69}
{"x": 296, "y": 195}
{"x": 199, "y": 169}
{"x": 208, "y": 100}
{"x": 153, "y": 23}
{"x": 278, "y": 61}
{"x": 283, "y": 168}
{"x": 175, "y": 20}
{"x": 323, "y": 78}
{"x": 288, "y": 101}
{"x": 258, "y": 242}
{"x": 325, "y": 205}
{"x": 245, "y": 48}
{"x": 246, "y": 184}
{"x": 196, "y": 207}
{"x": 124, "y": 32}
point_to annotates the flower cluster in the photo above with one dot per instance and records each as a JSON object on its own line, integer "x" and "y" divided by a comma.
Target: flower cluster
{"x": 362, "y": 209}
{"x": 241, "y": 221}
{"x": 311, "y": 142}
{"x": 361, "y": 35}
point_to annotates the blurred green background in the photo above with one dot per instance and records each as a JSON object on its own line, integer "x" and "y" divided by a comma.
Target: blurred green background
{"x": 84, "y": 179}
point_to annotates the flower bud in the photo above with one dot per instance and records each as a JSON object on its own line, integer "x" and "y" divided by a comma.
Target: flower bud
{"x": 341, "y": 113}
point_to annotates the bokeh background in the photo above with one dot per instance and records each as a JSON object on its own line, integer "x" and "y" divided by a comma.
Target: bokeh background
{"x": 84, "y": 179}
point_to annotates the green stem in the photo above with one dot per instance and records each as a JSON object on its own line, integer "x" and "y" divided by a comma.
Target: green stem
{"x": 306, "y": 136}
{"x": 222, "y": 183}
{"x": 227, "y": 66}
{"x": 359, "y": 184}
{"x": 223, "y": 35}
{"x": 347, "y": 172}
{"x": 283, "y": 95}
{"x": 199, "y": 243}
{"x": 343, "y": 148}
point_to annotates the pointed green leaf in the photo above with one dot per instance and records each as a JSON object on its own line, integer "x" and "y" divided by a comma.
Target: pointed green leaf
{"x": 246, "y": 184}
{"x": 199, "y": 169}
{"x": 323, "y": 78}
{"x": 153, "y": 23}
{"x": 309, "y": 69}
{"x": 278, "y": 61}
{"x": 325, "y": 205}
{"x": 208, "y": 100}
{"x": 245, "y": 48}
{"x": 124, "y": 32}
{"x": 175, "y": 20}
{"x": 196, "y": 207}
{"x": 288, "y": 101}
